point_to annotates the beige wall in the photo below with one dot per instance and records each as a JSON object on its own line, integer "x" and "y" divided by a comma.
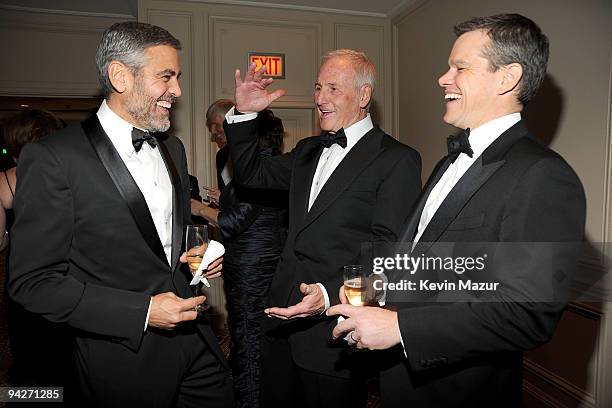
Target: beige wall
{"x": 49, "y": 54}
{"x": 572, "y": 111}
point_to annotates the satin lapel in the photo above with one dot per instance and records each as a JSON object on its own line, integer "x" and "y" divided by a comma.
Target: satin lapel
{"x": 360, "y": 157}
{"x": 410, "y": 227}
{"x": 463, "y": 191}
{"x": 303, "y": 174}
{"x": 489, "y": 162}
{"x": 177, "y": 200}
{"x": 125, "y": 184}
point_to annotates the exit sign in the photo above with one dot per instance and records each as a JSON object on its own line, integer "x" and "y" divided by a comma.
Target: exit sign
{"x": 275, "y": 63}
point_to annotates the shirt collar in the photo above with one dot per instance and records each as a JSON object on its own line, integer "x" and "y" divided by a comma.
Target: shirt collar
{"x": 117, "y": 129}
{"x": 483, "y": 136}
{"x": 357, "y": 130}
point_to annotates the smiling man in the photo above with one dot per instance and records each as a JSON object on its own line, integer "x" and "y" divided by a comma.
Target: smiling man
{"x": 498, "y": 185}
{"x": 104, "y": 204}
{"x": 351, "y": 185}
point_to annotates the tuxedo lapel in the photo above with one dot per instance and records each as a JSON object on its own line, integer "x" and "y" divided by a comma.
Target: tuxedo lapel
{"x": 127, "y": 187}
{"x": 410, "y": 227}
{"x": 469, "y": 184}
{"x": 491, "y": 160}
{"x": 304, "y": 170}
{"x": 177, "y": 200}
{"x": 360, "y": 157}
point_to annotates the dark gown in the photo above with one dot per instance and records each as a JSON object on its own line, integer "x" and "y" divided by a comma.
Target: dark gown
{"x": 40, "y": 349}
{"x": 253, "y": 226}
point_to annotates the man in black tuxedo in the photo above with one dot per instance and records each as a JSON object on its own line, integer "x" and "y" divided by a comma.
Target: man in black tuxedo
{"x": 501, "y": 186}
{"x": 351, "y": 185}
{"x": 100, "y": 214}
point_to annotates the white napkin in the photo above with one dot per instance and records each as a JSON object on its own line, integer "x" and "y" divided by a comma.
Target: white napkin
{"x": 348, "y": 335}
{"x": 213, "y": 251}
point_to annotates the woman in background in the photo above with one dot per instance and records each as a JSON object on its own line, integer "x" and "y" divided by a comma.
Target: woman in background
{"x": 25, "y": 127}
{"x": 38, "y": 347}
{"x": 253, "y": 227}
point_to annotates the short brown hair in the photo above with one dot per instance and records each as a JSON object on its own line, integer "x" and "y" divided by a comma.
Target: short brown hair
{"x": 514, "y": 38}
{"x": 29, "y": 126}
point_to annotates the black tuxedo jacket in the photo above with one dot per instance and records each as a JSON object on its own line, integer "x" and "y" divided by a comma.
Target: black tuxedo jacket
{"x": 221, "y": 159}
{"x": 367, "y": 198}
{"x": 84, "y": 247}
{"x": 469, "y": 354}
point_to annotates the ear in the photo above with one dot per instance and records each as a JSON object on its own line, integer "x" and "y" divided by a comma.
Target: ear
{"x": 120, "y": 76}
{"x": 511, "y": 76}
{"x": 365, "y": 95}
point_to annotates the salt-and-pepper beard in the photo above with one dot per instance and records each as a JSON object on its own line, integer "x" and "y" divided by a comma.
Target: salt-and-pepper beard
{"x": 140, "y": 106}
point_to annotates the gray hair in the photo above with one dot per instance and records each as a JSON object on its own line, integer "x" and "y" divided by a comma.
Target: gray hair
{"x": 126, "y": 42}
{"x": 220, "y": 106}
{"x": 365, "y": 72}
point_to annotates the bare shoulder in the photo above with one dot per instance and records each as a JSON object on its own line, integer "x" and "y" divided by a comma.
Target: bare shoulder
{"x": 7, "y": 183}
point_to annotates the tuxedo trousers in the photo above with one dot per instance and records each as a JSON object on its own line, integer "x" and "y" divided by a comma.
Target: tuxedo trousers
{"x": 285, "y": 384}
{"x": 172, "y": 368}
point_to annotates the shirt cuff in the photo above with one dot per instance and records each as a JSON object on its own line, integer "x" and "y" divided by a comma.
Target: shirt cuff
{"x": 232, "y": 118}
{"x": 325, "y": 296}
{"x": 148, "y": 313}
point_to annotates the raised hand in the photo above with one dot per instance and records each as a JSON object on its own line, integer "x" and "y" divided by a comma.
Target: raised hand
{"x": 251, "y": 94}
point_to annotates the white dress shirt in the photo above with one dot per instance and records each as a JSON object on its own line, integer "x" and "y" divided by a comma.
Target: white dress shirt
{"x": 148, "y": 170}
{"x": 226, "y": 174}
{"x": 333, "y": 155}
{"x": 330, "y": 158}
{"x": 480, "y": 138}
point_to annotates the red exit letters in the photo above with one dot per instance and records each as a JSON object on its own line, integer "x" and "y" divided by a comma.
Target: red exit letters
{"x": 274, "y": 63}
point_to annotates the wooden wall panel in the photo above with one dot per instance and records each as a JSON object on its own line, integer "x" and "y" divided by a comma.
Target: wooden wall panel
{"x": 567, "y": 365}
{"x": 234, "y": 38}
{"x": 49, "y": 54}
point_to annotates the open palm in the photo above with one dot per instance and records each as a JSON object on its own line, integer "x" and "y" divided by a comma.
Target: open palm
{"x": 251, "y": 94}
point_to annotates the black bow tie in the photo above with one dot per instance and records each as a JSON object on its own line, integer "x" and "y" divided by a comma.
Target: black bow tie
{"x": 140, "y": 136}
{"x": 458, "y": 144}
{"x": 328, "y": 139}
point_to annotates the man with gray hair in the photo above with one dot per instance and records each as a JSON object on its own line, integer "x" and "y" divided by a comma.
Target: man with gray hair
{"x": 350, "y": 185}
{"x": 103, "y": 206}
